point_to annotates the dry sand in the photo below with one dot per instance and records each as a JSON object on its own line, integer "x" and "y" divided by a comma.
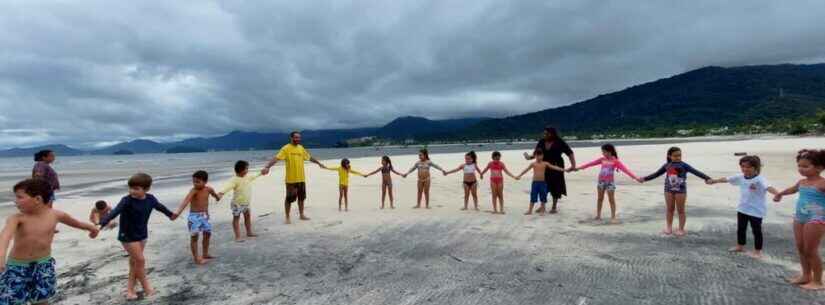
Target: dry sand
{"x": 447, "y": 256}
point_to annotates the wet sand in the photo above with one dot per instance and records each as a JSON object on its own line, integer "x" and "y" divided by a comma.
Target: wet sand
{"x": 447, "y": 256}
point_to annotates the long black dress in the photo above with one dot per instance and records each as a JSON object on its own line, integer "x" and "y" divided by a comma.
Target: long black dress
{"x": 553, "y": 155}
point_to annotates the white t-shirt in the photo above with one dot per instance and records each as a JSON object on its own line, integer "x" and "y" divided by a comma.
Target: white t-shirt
{"x": 752, "y": 194}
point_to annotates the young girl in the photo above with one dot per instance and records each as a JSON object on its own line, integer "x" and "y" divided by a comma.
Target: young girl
{"x": 343, "y": 182}
{"x": 752, "y": 208}
{"x": 675, "y": 187}
{"x": 609, "y": 165}
{"x": 386, "y": 179}
{"x": 496, "y": 167}
{"x": 809, "y": 219}
{"x": 134, "y": 211}
{"x": 470, "y": 168}
{"x": 423, "y": 167}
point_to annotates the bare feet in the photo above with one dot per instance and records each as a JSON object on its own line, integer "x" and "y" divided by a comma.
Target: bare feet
{"x": 812, "y": 286}
{"x": 208, "y": 257}
{"x": 463, "y": 209}
{"x": 667, "y": 231}
{"x": 148, "y": 292}
{"x": 304, "y": 218}
{"x": 201, "y": 261}
{"x": 530, "y": 212}
{"x": 680, "y": 232}
{"x": 554, "y": 211}
{"x": 131, "y": 296}
{"x": 417, "y": 207}
{"x": 738, "y": 248}
{"x": 540, "y": 209}
{"x": 755, "y": 254}
{"x": 798, "y": 280}
{"x": 615, "y": 221}
{"x": 239, "y": 240}
{"x": 287, "y": 221}
{"x": 251, "y": 235}
{"x": 597, "y": 218}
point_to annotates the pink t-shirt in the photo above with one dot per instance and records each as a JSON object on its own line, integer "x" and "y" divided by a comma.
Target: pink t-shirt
{"x": 609, "y": 167}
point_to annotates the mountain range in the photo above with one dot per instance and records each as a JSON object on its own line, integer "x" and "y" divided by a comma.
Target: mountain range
{"x": 710, "y": 96}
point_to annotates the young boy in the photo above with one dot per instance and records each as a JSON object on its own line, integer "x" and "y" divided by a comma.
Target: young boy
{"x": 538, "y": 190}
{"x": 199, "y": 215}
{"x": 241, "y": 184}
{"x": 134, "y": 211}
{"x": 101, "y": 209}
{"x": 28, "y": 275}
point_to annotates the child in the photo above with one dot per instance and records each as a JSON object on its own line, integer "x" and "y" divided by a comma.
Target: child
{"x": 538, "y": 190}
{"x": 241, "y": 185}
{"x": 29, "y": 273}
{"x": 675, "y": 187}
{"x": 423, "y": 167}
{"x": 470, "y": 168}
{"x": 343, "y": 182}
{"x": 809, "y": 219}
{"x": 198, "y": 219}
{"x": 496, "y": 167}
{"x": 751, "y": 209}
{"x": 609, "y": 165}
{"x": 386, "y": 180}
{"x": 101, "y": 209}
{"x": 134, "y": 211}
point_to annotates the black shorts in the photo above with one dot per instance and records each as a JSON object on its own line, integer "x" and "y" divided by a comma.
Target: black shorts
{"x": 296, "y": 191}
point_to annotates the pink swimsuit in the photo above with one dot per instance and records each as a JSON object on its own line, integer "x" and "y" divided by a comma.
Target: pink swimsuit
{"x": 495, "y": 172}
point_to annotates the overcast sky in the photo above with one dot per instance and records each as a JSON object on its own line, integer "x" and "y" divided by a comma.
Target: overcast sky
{"x": 99, "y": 72}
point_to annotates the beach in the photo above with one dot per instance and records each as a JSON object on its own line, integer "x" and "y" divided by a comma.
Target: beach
{"x": 447, "y": 256}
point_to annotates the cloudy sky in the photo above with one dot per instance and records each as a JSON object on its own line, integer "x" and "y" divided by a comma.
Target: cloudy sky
{"x": 98, "y": 72}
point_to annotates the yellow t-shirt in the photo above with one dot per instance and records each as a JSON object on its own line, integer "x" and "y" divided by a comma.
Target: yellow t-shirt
{"x": 294, "y": 155}
{"x": 242, "y": 188}
{"x": 343, "y": 174}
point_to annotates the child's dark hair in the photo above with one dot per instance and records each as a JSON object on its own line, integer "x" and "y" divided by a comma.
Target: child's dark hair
{"x": 34, "y": 188}
{"x": 387, "y": 159}
{"x": 752, "y": 161}
{"x": 345, "y": 163}
{"x": 815, "y": 156}
{"x": 672, "y": 150}
{"x": 425, "y": 153}
{"x": 538, "y": 152}
{"x": 241, "y": 166}
{"x": 472, "y": 155}
{"x": 201, "y": 175}
{"x": 611, "y": 149}
{"x": 100, "y": 205}
{"x": 496, "y": 155}
{"x": 142, "y": 180}
{"x": 40, "y": 155}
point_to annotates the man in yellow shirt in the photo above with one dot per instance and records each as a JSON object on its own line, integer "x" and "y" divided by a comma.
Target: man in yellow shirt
{"x": 294, "y": 155}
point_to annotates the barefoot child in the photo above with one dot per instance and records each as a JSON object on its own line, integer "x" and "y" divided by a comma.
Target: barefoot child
{"x": 470, "y": 168}
{"x": 809, "y": 219}
{"x": 423, "y": 167}
{"x": 241, "y": 186}
{"x": 538, "y": 190}
{"x": 343, "y": 182}
{"x": 675, "y": 187}
{"x": 198, "y": 219}
{"x": 28, "y": 273}
{"x": 386, "y": 180}
{"x": 101, "y": 209}
{"x": 134, "y": 211}
{"x": 496, "y": 168}
{"x": 610, "y": 164}
{"x": 752, "y": 208}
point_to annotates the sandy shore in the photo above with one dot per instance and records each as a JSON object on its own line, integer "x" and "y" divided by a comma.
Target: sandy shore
{"x": 447, "y": 256}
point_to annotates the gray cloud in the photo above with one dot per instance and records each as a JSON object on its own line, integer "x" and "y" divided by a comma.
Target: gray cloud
{"x": 95, "y": 72}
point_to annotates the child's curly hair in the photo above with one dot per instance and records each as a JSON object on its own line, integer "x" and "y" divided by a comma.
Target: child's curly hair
{"x": 815, "y": 156}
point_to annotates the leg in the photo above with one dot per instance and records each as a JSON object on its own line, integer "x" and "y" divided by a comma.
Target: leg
{"x": 474, "y": 192}
{"x": 813, "y": 236}
{"x": 670, "y": 203}
{"x": 466, "y": 196}
{"x": 340, "y": 197}
{"x": 420, "y": 191}
{"x": 302, "y": 196}
{"x": 346, "y": 198}
{"x": 291, "y": 195}
{"x": 530, "y": 209}
{"x": 193, "y": 246}
{"x": 301, "y": 214}
{"x": 494, "y": 196}
{"x": 207, "y": 236}
{"x": 500, "y": 191}
{"x": 555, "y": 208}
{"x": 427, "y": 194}
{"x": 756, "y": 227}
{"x": 805, "y": 274}
{"x": 133, "y": 250}
{"x": 611, "y": 198}
{"x": 236, "y": 227}
{"x": 680, "y": 208}
{"x": 383, "y": 194}
{"x": 741, "y": 232}
{"x": 599, "y": 201}
{"x": 247, "y": 222}
{"x": 392, "y": 201}
{"x": 141, "y": 275}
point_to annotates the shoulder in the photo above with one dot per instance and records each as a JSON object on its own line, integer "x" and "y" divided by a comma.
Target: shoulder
{"x": 15, "y": 218}
{"x": 151, "y": 198}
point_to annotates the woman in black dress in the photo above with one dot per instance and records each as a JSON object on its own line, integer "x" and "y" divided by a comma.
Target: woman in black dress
{"x": 553, "y": 147}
